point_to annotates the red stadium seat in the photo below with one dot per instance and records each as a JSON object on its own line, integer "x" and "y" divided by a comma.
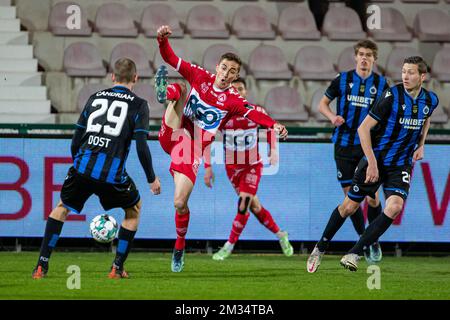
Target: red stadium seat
{"x": 87, "y": 91}
{"x": 441, "y": 65}
{"x": 269, "y": 62}
{"x": 159, "y": 14}
{"x": 314, "y": 106}
{"x": 285, "y": 104}
{"x": 57, "y": 21}
{"x": 342, "y": 23}
{"x": 134, "y": 52}
{"x": 394, "y": 27}
{"x": 395, "y": 61}
{"x": 147, "y": 92}
{"x": 206, "y": 21}
{"x": 296, "y": 22}
{"x": 432, "y": 25}
{"x": 314, "y": 63}
{"x": 212, "y": 55}
{"x": 82, "y": 59}
{"x": 252, "y": 22}
{"x": 114, "y": 20}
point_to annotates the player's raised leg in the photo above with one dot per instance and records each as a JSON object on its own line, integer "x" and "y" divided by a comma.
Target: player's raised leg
{"x": 126, "y": 235}
{"x": 183, "y": 189}
{"x": 266, "y": 219}
{"x": 53, "y": 229}
{"x": 337, "y": 219}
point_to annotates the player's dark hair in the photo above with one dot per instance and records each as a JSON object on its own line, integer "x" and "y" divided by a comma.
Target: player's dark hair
{"x": 366, "y": 44}
{"x": 240, "y": 80}
{"x": 230, "y": 56}
{"x": 421, "y": 64}
{"x": 124, "y": 70}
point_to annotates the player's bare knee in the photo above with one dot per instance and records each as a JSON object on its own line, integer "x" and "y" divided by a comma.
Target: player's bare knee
{"x": 180, "y": 205}
{"x": 255, "y": 208}
{"x": 373, "y": 202}
{"x": 348, "y": 208}
{"x": 393, "y": 209}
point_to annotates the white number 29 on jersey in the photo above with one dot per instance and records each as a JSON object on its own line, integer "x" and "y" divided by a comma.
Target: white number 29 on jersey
{"x": 118, "y": 121}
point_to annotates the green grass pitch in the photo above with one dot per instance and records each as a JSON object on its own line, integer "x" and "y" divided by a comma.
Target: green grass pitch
{"x": 242, "y": 276}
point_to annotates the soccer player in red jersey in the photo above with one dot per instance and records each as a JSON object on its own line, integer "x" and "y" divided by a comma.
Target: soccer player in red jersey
{"x": 186, "y": 131}
{"x": 244, "y": 169}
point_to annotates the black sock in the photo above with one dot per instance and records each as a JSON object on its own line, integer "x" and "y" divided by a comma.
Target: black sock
{"x": 123, "y": 247}
{"x": 52, "y": 231}
{"x": 373, "y": 213}
{"x": 373, "y": 232}
{"x": 333, "y": 225}
{"x": 358, "y": 221}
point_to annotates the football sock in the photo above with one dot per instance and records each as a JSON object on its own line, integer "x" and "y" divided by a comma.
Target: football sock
{"x": 373, "y": 213}
{"x": 123, "y": 247}
{"x": 52, "y": 231}
{"x": 181, "y": 224}
{"x": 173, "y": 91}
{"x": 266, "y": 219}
{"x": 238, "y": 225}
{"x": 373, "y": 232}
{"x": 333, "y": 225}
{"x": 358, "y": 221}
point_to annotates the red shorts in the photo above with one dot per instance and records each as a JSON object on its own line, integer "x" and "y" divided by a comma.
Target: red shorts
{"x": 179, "y": 145}
{"x": 245, "y": 178}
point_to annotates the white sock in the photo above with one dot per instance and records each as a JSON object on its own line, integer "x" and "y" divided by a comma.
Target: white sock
{"x": 280, "y": 234}
{"x": 229, "y": 246}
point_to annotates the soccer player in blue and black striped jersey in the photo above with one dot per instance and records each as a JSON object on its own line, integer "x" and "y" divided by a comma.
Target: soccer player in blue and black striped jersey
{"x": 392, "y": 137}
{"x": 100, "y": 147}
{"x": 356, "y": 92}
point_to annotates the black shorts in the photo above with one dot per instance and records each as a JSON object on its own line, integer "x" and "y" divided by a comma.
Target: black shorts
{"x": 395, "y": 180}
{"x": 77, "y": 189}
{"x": 347, "y": 159}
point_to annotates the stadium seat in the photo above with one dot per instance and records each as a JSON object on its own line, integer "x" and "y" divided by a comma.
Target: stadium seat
{"x": 314, "y": 106}
{"x": 158, "y": 14}
{"x": 394, "y": 27}
{"x": 206, "y": 21}
{"x": 342, "y": 23}
{"x": 213, "y": 53}
{"x": 252, "y": 22}
{"x": 82, "y": 59}
{"x": 314, "y": 63}
{"x": 269, "y": 62}
{"x": 147, "y": 92}
{"x": 180, "y": 50}
{"x": 85, "y": 92}
{"x": 296, "y": 22}
{"x": 395, "y": 61}
{"x": 439, "y": 115}
{"x": 285, "y": 104}
{"x": 134, "y": 52}
{"x": 114, "y": 20}
{"x": 420, "y": 1}
{"x": 432, "y": 25}
{"x": 441, "y": 65}
{"x": 57, "y": 21}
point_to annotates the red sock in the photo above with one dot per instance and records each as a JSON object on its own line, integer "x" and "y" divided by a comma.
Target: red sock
{"x": 238, "y": 225}
{"x": 173, "y": 91}
{"x": 181, "y": 223}
{"x": 266, "y": 219}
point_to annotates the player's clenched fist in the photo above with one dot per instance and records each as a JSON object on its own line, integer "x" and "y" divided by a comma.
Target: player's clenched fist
{"x": 164, "y": 32}
{"x": 281, "y": 130}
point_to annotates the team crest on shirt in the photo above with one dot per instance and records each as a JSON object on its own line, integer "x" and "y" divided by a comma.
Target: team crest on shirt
{"x": 355, "y": 188}
{"x": 204, "y": 87}
{"x": 426, "y": 110}
{"x": 373, "y": 90}
{"x": 222, "y": 97}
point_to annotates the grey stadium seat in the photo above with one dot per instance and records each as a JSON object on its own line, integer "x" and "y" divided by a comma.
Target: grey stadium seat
{"x": 314, "y": 106}
{"x": 439, "y": 115}
{"x": 395, "y": 61}
{"x": 441, "y": 65}
{"x": 158, "y": 14}
{"x": 57, "y": 21}
{"x": 285, "y": 104}
{"x": 180, "y": 50}
{"x": 206, "y": 21}
{"x": 88, "y": 90}
{"x": 252, "y": 22}
{"x": 269, "y": 62}
{"x": 342, "y": 23}
{"x": 147, "y": 92}
{"x": 394, "y": 27}
{"x": 82, "y": 59}
{"x": 296, "y": 22}
{"x": 213, "y": 53}
{"x": 432, "y": 25}
{"x": 114, "y": 20}
{"x": 314, "y": 63}
{"x": 134, "y": 52}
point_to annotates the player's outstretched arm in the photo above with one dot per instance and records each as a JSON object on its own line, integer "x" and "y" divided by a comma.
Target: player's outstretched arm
{"x": 145, "y": 158}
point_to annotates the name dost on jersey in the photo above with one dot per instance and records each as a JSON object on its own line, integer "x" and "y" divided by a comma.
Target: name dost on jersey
{"x": 202, "y": 114}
